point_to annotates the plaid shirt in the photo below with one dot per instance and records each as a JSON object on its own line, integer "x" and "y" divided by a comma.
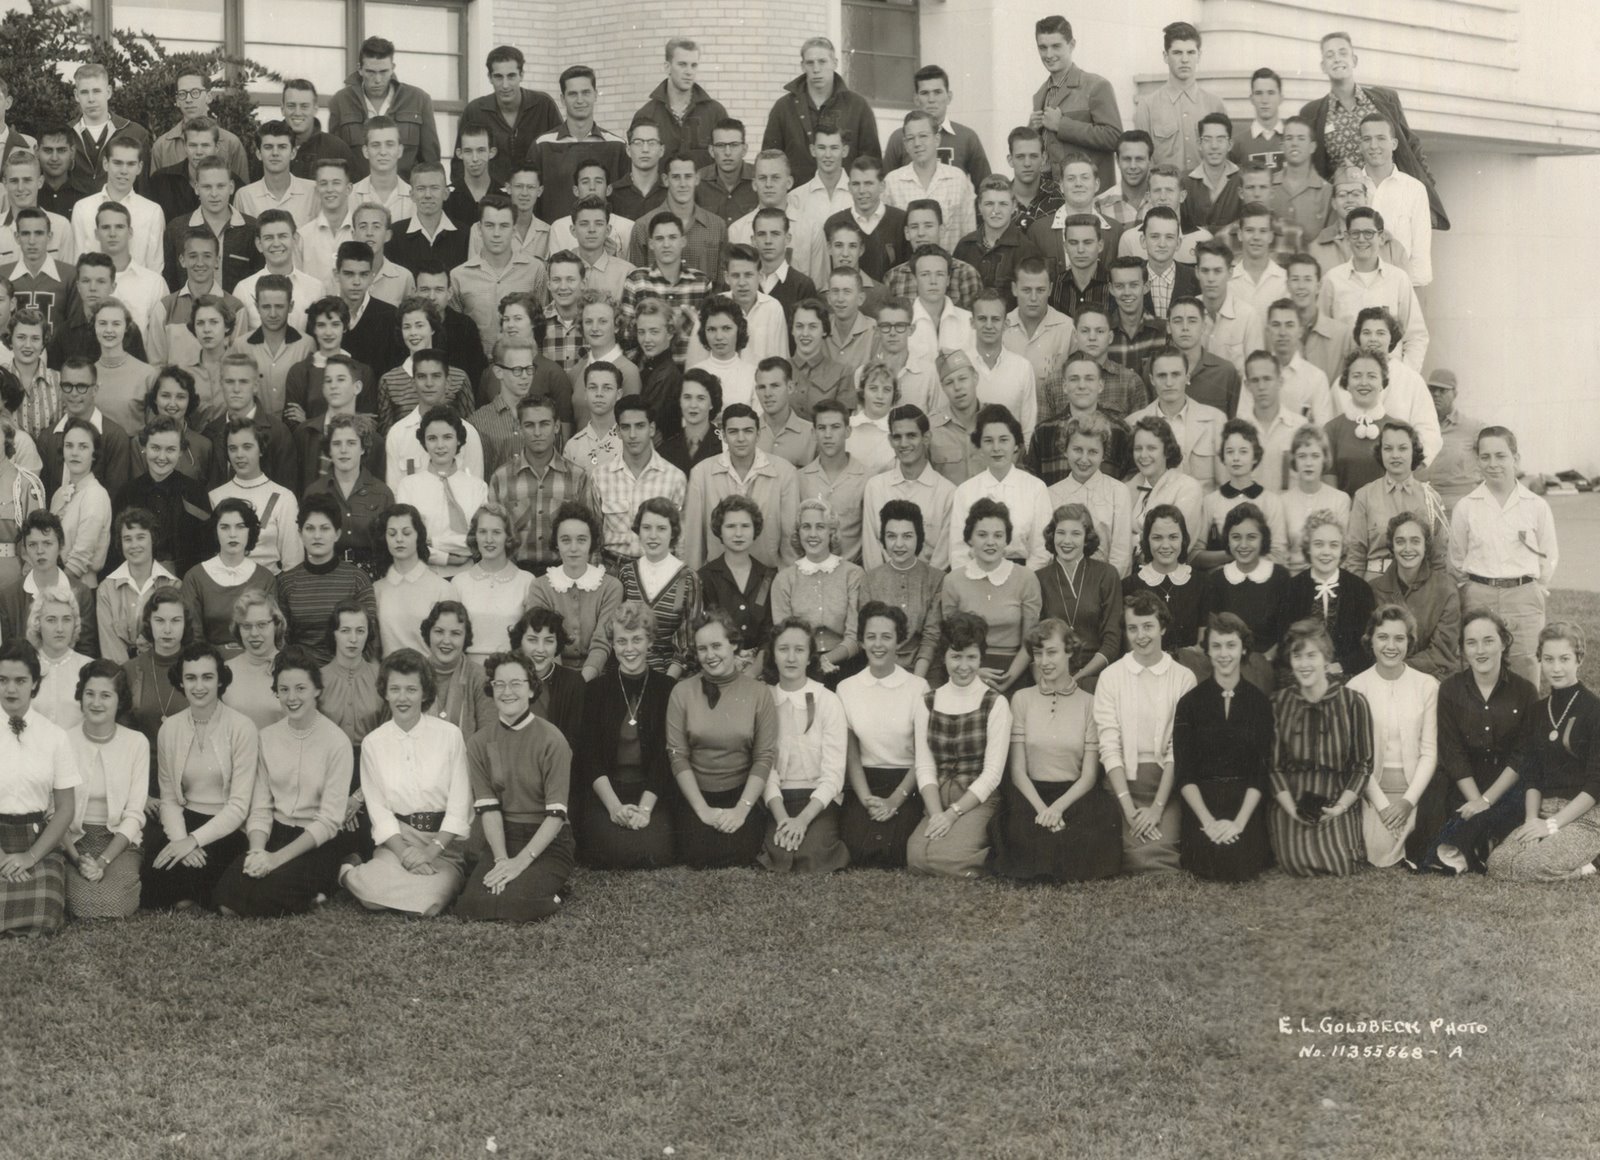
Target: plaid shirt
{"x": 689, "y": 292}
{"x": 41, "y": 403}
{"x": 532, "y": 500}
{"x": 965, "y": 282}
{"x": 1047, "y": 454}
{"x": 1123, "y": 392}
{"x": 1134, "y": 350}
{"x": 1069, "y": 298}
{"x": 1044, "y": 205}
{"x": 558, "y": 342}
{"x": 618, "y": 494}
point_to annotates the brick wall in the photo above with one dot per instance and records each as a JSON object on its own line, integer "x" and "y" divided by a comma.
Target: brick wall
{"x": 748, "y": 49}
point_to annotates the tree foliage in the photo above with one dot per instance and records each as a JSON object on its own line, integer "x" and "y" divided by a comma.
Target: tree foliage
{"x": 40, "y": 48}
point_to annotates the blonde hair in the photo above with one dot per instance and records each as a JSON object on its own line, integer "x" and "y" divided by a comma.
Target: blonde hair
{"x": 36, "y": 617}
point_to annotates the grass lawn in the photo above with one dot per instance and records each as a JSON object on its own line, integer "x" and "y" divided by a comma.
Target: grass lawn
{"x": 865, "y": 1014}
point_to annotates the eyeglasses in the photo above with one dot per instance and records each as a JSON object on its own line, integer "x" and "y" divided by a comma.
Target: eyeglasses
{"x": 1363, "y": 235}
{"x": 508, "y": 686}
{"x": 77, "y": 388}
{"x": 190, "y": 94}
{"x": 894, "y": 327}
{"x": 520, "y": 372}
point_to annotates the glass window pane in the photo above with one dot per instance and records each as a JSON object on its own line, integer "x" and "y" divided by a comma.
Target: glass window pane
{"x": 880, "y": 44}
{"x": 179, "y": 24}
{"x": 427, "y": 41}
{"x": 298, "y": 38}
{"x": 438, "y": 76}
{"x": 324, "y": 67}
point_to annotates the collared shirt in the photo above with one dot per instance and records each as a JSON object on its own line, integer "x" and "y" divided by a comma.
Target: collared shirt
{"x": 1260, "y": 293}
{"x": 532, "y": 497}
{"x": 1403, "y": 202}
{"x": 768, "y": 329}
{"x": 1025, "y": 497}
{"x": 727, "y": 204}
{"x": 691, "y": 289}
{"x": 41, "y": 401}
{"x": 306, "y": 290}
{"x": 146, "y": 239}
{"x": 561, "y": 339}
{"x": 531, "y": 238}
{"x": 1347, "y": 291}
{"x": 852, "y": 349}
{"x": 1341, "y": 134}
{"x": 1046, "y": 201}
{"x": 704, "y": 240}
{"x": 1306, "y": 205}
{"x": 477, "y": 288}
{"x": 317, "y": 242}
{"x": 1046, "y": 349}
{"x": 592, "y": 451}
{"x": 619, "y": 493}
{"x": 563, "y": 237}
{"x": 404, "y": 454}
{"x": 795, "y": 441}
{"x": 1134, "y": 707}
{"x": 1366, "y": 547}
{"x": 930, "y": 336}
{"x": 431, "y": 494}
{"x": 1011, "y": 383}
{"x": 1171, "y": 115}
{"x": 1161, "y": 284}
{"x": 930, "y": 491}
{"x": 950, "y": 187}
{"x": 809, "y": 207}
{"x": 392, "y": 284}
{"x": 608, "y": 275}
{"x": 1114, "y": 206}
{"x": 398, "y": 202}
{"x": 1198, "y": 430}
{"x": 1503, "y": 541}
{"x": 1133, "y": 350}
{"x": 1276, "y": 471}
{"x": 496, "y": 422}
{"x": 299, "y": 199}
{"x": 1454, "y": 471}
{"x": 1111, "y": 506}
{"x": 1305, "y": 392}
{"x": 1235, "y": 330}
{"x": 422, "y": 771}
{"x": 845, "y": 497}
{"x": 1070, "y": 296}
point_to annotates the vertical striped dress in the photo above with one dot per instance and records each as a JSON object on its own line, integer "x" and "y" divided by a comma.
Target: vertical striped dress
{"x": 1321, "y": 747}
{"x": 675, "y": 604}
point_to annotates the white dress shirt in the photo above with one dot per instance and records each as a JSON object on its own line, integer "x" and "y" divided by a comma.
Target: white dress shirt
{"x": 422, "y": 771}
{"x": 1012, "y": 383}
{"x": 1403, "y": 202}
{"x": 1025, "y": 497}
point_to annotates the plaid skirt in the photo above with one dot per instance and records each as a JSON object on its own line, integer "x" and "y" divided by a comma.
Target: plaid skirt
{"x": 116, "y": 895}
{"x": 38, "y": 904}
{"x": 532, "y": 895}
{"x": 290, "y": 889}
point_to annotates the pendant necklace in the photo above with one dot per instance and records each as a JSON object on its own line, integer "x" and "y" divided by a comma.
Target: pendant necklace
{"x": 1555, "y": 724}
{"x": 633, "y": 707}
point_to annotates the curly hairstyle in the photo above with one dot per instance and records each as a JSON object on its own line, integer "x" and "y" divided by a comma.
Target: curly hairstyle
{"x": 1164, "y": 511}
{"x": 193, "y": 653}
{"x": 1382, "y": 615}
{"x": 443, "y": 608}
{"x": 569, "y": 511}
{"x": 883, "y": 610}
{"x": 106, "y": 670}
{"x": 658, "y": 505}
{"x": 1409, "y": 431}
{"x": 408, "y": 662}
{"x": 1243, "y": 512}
{"x": 986, "y": 509}
{"x": 737, "y": 503}
{"x": 1077, "y": 513}
{"x": 245, "y": 510}
{"x": 724, "y": 305}
{"x": 540, "y": 620}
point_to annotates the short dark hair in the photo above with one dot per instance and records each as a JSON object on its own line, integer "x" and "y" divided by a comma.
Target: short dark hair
{"x": 986, "y": 509}
{"x": 537, "y": 618}
{"x": 1053, "y": 26}
{"x": 1248, "y": 512}
{"x": 1179, "y": 30}
{"x": 193, "y": 653}
{"x": 245, "y": 510}
{"x": 903, "y": 509}
{"x": 883, "y": 610}
{"x": 443, "y": 608}
{"x": 411, "y": 663}
{"x": 991, "y": 413}
{"x": 736, "y": 503}
{"x": 1164, "y": 511}
{"x": 106, "y": 670}
{"x": 963, "y": 630}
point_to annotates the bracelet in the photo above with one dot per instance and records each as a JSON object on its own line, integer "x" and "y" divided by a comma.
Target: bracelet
{"x": 1552, "y": 827}
{"x": 956, "y": 806}
{"x": 744, "y": 805}
{"x": 438, "y": 843}
{"x": 1124, "y": 794}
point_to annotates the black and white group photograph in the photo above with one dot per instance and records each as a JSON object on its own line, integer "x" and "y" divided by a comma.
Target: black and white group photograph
{"x": 798, "y": 579}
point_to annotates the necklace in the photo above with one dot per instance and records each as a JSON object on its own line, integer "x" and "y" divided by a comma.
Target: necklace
{"x": 1549, "y": 708}
{"x": 632, "y": 707}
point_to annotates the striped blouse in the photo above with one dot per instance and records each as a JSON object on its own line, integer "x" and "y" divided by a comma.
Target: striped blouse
{"x": 675, "y": 606}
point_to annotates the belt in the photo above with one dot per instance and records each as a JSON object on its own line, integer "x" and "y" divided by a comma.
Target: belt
{"x": 428, "y": 821}
{"x": 1507, "y": 582}
{"x": 37, "y": 819}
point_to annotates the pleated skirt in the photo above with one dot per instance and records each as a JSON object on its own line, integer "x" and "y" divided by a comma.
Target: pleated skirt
{"x": 821, "y": 851}
{"x": 700, "y": 847}
{"x": 879, "y": 845}
{"x": 38, "y": 904}
{"x": 1139, "y": 857}
{"x": 290, "y": 889}
{"x": 1088, "y": 845}
{"x": 1242, "y": 859}
{"x": 383, "y": 882}
{"x": 531, "y": 896}
{"x": 604, "y": 845}
{"x": 116, "y": 895}
{"x": 164, "y": 889}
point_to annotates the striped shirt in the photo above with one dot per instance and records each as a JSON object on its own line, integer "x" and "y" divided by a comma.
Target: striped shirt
{"x": 308, "y": 595}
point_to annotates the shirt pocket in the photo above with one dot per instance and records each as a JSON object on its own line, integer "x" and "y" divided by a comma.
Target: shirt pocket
{"x": 410, "y": 126}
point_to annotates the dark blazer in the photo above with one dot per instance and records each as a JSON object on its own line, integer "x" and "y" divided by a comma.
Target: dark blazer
{"x": 375, "y": 340}
{"x": 1184, "y": 285}
{"x": 1408, "y": 156}
{"x": 93, "y": 168}
{"x": 793, "y": 290}
{"x": 595, "y": 750}
{"x": 408, "y": 248}
{"x": 182, "y": 507}
{"x": 171, "y": 189}
{"x": 886, "y": 246}
{"x": 1355, "y": 607}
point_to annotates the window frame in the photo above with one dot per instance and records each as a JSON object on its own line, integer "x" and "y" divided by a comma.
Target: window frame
{"x": 102, "y": 13}
{"x": 912, "y": 9}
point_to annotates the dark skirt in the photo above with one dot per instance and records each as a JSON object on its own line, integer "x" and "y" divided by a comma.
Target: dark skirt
{"x": 116, "y": 895}
{"x": 1088, "y": 845}
{"x": 1243, "y": 859}
{"x": 290, "y": 889}
{"x": 700, "y": 847}
{"x": 821, "y": 850}
{"x": 534, "y": 894}
{"x": 164, "y": 889}
{"x": 604, "y": 845}
{"x": 1475, "y": 837}
{"x": 880, "y": 845}
{"x": 37, "y": 904}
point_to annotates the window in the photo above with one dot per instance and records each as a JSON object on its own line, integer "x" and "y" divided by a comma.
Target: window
{"x": 180, "y": 25}
{"x": 298, "y": 38}
{"x": 881, "y": 49}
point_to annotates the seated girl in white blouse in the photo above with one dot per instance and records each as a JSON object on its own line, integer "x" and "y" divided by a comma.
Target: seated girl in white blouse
{"x": 806, "y": 785}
